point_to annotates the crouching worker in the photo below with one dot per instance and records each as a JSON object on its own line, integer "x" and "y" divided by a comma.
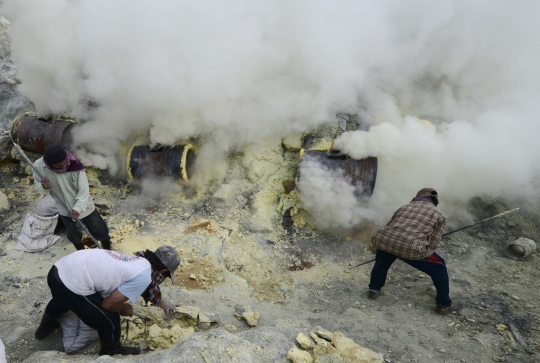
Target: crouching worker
{"x": 412, "y": 235}
{"x": 79, "y": 281}
{"x": 66, "y": 175}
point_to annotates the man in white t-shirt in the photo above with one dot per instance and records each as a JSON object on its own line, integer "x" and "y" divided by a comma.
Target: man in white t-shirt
{"x": 96, "y": 285}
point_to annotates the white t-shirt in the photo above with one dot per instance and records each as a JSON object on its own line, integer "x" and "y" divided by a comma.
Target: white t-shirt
{"x": 86, "y": 272}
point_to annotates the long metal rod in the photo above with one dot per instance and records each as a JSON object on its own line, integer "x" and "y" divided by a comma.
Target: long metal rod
{"x": 482, "y": 221}
{"x": 454, "y": 231}
{"x": 51, "y": 190}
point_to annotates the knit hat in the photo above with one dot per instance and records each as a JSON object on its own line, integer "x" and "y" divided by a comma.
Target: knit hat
{"x": 169, "y": 257}
{"x": 427, "y": 191}
{"x": 54, "y": 154}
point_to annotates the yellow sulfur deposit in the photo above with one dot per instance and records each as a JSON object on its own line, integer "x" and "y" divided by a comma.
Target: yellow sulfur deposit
{"x": 183, "y": 164}
{"x": 134, "y": 332}
{"x": 165, "y": 338}
{"x": 323, "y": 146}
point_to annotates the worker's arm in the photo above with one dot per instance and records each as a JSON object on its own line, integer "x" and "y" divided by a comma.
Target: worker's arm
{"x": 83, "y": 195}
{"x": 116, "y": 302}
{"x": 436, "y": 237}
{"x": 41, "y": 185}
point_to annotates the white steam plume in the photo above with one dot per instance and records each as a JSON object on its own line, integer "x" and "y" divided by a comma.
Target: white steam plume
{"x": 240, "y": 71}
{"x": 329, "y": 196}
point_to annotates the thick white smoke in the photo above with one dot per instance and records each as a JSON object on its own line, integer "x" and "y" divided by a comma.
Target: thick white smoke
{"x": 330, "y": 197}
{"x": 239, "y": 71}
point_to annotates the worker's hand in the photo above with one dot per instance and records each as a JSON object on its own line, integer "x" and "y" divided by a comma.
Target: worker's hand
{"x": 45, "y": 183}
{"x": 74, "y": 214}
{"x": 167, "y": 308}
{"x": 126, "y": 310}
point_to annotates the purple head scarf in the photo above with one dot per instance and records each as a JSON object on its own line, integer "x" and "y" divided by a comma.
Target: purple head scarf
{"x": 72, "y": 164}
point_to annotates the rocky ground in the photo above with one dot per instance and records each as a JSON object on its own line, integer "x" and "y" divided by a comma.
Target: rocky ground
{"x": 296, "y": 282}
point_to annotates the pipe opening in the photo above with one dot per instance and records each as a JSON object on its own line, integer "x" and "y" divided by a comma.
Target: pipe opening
{"x": 515, "y": 251}
{"x": 175, "y": 162}
{"x": 520, "y": 248}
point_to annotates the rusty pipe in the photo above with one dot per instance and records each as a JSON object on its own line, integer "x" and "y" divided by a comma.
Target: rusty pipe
{"x": 33, "y": 133}
{"x": 171, "y": 161}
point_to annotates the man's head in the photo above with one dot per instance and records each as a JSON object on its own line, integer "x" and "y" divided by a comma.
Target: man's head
{"x": 55, "y": 156}
{"x": 430, "y": 192}
{"x": 169, "y": 258}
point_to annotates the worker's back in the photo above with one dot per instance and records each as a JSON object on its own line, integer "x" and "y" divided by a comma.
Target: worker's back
{"x": 86, "y": 272}
{"x": 414, "y": 231}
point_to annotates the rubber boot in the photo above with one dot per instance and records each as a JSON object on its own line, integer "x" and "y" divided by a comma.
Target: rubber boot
{"x": 106, "y": 244}
{"x": 46, "y": 326}
{"x": 112, "y": 348}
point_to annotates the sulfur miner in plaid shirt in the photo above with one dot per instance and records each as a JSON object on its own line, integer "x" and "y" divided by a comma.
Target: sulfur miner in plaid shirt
{"x": 412, "y": 235}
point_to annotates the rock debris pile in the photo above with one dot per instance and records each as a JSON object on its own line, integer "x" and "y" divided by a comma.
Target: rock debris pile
{"x": 323, "y": 346}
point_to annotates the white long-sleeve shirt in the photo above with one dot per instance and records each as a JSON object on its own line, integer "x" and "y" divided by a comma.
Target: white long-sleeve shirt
{"x": 71, "y": 186}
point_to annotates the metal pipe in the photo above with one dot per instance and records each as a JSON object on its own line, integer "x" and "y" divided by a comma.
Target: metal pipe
{"x": 34, "y": 133}
{"x": 520, "y": 248}
{"x": 29, "y": 162}
{"x": 454, "y": 231}
{"x": 362, "y": 173}
{"x": 171, "y": 161}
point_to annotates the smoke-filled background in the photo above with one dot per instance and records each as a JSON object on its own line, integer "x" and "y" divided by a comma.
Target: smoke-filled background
{"x": 240, "y": 71}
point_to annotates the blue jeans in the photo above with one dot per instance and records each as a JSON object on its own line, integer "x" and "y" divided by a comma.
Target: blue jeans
{"x": 434, "y": 266}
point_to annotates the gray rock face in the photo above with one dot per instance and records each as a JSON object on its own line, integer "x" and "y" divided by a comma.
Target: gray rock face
{"x": 5, "y": 147}
{"x": 4, "y": 202}
{"x": 215, "y": 346}
{"x": 12, "y": 103}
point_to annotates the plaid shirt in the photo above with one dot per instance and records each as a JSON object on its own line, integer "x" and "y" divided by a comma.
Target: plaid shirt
{"x": 152, "y": 293}
{"x": 414, "y": 232}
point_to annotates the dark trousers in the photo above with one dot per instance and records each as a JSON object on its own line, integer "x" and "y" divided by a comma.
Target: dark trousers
{"x": 96, "y": 226}
{"x": 434, "y": 266}
{"x": 88, "y": 308}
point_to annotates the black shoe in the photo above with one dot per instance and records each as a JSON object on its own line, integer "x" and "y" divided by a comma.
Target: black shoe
{"x": 112, "y": 348}
{"x": 444, "y": 310}
{"x": 373, "y": 294}
{"x": 46, "y": 326}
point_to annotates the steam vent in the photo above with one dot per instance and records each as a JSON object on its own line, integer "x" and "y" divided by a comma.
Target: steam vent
{"x": 362, "y": 174}
{"x": 261, "y": 178}
{"x": 170, "y": 161}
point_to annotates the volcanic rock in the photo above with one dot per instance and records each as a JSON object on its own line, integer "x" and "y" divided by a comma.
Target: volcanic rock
{"x": 352, "y": 352}
{"x": 299, "y": 356}
{"x": 4, "y": 202}
{"x": 252, "y": 317}
{"x": 304, "y": 341}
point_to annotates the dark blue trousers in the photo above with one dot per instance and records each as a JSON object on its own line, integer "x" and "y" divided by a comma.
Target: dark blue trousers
{"x": 96, "y": 226}
{"x": 434, "y": 266}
